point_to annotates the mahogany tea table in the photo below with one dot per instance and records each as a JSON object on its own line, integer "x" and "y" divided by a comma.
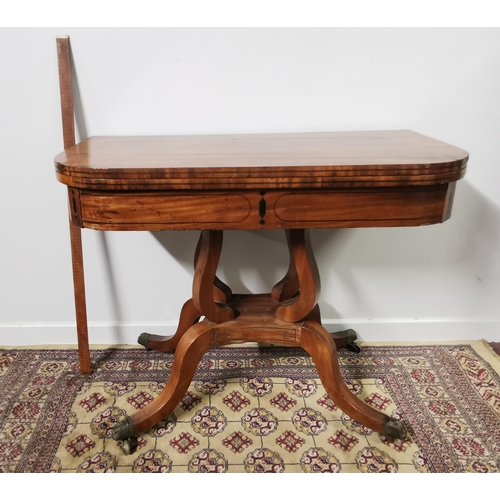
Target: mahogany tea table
{"x": 212, "y": 183}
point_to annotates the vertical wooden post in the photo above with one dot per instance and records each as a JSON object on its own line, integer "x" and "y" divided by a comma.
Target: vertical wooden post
{"x": 222, "y": 292}
{"x": 75, "y": 222}
{"x": 66, "y": 90}
{"x": 207, "y": 259}
{"x": 80, "y": 302}
{"x": 288, "y": 287}
{"x": 307, "y": 275}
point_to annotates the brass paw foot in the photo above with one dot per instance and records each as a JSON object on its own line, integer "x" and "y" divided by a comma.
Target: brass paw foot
{"x": 123, "y": 429}
{"x": 144, "y": 340}
{"x": 393, "y": 428}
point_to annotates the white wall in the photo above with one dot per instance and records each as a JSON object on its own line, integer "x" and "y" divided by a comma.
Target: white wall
{"x": 440, "y": 282}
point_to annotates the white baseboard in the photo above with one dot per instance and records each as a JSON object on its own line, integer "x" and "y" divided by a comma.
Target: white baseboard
{"x": 383, "y": 329}
{"x": 420, "y": 330}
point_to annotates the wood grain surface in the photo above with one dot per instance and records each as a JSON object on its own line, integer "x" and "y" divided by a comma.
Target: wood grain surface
{"x": 299, "y": 160}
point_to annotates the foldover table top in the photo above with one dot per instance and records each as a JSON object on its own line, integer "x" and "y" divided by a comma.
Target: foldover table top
{"x": 251, "y": 181}
{"x": 261, "y": 181}
{"x": 266, "y": 161}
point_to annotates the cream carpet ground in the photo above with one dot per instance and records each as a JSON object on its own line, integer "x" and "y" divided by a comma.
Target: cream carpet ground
{"x": 252, "y": 409}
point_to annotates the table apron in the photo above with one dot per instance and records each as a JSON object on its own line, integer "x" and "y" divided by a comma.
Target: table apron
{"x": 261, "y": 209}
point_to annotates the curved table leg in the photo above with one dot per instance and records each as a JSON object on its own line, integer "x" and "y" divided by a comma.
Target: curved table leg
{"x": 188, "y": 317}
{"x": 320, "y": 346}
{"x": 192, "y": 346}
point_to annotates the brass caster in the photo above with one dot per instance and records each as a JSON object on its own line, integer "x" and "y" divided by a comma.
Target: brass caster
{"x": 353, "y": 347}
{"x": 129, "y": 446}
{"x": 144, "y": 340}
{"x": 393, "y": 428}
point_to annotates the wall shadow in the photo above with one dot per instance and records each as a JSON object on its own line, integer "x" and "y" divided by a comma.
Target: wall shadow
{"x": 248, "y": 264}
{"x": 479, "y": 219}
{"x": 251, "y": 261}
{"x": 469, "y": 238}
{"x": 474, "y": 227}
{"x": 81, "y": 123}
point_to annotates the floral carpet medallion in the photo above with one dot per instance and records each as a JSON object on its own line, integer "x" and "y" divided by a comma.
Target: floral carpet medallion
{"x": 252, "y": 410}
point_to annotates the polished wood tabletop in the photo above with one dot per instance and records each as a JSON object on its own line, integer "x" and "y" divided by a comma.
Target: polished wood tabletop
{"x": 266, "y": 161}
{"x": 261, "y": 181}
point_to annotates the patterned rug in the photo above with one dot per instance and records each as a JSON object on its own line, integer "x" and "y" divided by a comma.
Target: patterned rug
{"x": 252, "y": 409}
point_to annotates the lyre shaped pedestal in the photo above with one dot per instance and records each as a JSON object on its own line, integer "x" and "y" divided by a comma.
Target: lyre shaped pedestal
{"x": 289, "y": 315}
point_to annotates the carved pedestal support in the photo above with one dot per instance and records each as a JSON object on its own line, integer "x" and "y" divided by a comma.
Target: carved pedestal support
{"x": 288, "y": 316}
{"x": 206, "y": 262}
{"x": 302, "y": 279}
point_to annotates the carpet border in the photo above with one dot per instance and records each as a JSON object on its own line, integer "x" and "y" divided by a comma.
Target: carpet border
{"x": 480, "y": 346}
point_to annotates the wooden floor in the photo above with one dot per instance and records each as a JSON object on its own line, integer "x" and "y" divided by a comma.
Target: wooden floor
{"x": 495, "y": 346}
